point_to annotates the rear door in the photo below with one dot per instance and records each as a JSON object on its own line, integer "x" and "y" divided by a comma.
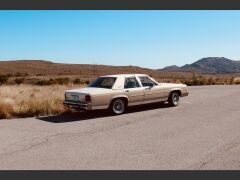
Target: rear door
{"x": 133, "y": 90}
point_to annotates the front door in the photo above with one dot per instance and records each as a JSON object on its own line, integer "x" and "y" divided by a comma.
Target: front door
{"x": 152, "y": 91}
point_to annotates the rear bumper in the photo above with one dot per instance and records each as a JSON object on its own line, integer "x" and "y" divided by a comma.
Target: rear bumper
{"x": 77, "y": 105}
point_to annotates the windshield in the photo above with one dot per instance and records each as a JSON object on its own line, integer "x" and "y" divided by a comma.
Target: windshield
{"x": 103, "y": 82}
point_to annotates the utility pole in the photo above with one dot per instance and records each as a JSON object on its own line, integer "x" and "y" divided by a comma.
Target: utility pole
{"x": 94, "y": 69}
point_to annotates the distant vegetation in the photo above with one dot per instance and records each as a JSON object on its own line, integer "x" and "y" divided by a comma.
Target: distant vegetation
{"x": 45, "y": 73}
{"x": 13, "y": 79}
{"x": 198, "y": 80}
{"x": 191, "y": 79}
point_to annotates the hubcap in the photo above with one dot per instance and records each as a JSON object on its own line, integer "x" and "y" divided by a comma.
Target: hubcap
{"x": 118, "y": 107}
{"x": 175, "y": 99}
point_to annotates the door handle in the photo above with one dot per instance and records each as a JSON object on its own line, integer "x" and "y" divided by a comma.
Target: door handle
{"x": 127, "y": 91}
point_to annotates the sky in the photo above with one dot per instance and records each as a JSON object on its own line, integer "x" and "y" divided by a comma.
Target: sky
{"x": 151, "y": 39}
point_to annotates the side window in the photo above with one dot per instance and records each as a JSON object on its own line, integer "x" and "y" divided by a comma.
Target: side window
{"x": 131, "y": 82}
{"x": 146, "y": 81}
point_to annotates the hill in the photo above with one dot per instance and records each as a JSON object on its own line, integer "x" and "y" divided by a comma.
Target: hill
{"x": 47, "y": 68}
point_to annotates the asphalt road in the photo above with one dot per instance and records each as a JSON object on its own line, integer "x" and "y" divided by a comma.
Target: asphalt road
{"x": 203, "y": 132}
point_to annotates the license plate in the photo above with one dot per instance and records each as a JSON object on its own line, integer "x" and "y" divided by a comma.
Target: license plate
{"x": 74, "y": 97}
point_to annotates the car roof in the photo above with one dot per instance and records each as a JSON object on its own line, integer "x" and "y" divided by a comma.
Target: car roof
{"x": 124, "y": 75}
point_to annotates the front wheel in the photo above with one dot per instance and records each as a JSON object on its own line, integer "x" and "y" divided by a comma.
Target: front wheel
{"x": 173, "y": 99}
{"x": 118, "y": 107}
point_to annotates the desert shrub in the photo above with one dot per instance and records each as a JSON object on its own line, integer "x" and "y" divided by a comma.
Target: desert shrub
{"x": 6, "y": 110}
{"x": 53, "y": 82}
{"x": 210, "y": 81}
{"x": 43, "y": 82}
{"x": 231, "y": 80}
{"x": 77, "y": 81}
{"x": 187, "y": 82}
{"x": 39, "y": 74}
{"x": 28, "y": 100}
{"x": 3, "y": 79}
{"x": 237, "y": 81}
{"x": 18, "y": 74}
{"x": 10, "y": 75}
{"x": 62, "y": 80}
{"x": 202, "y": 81}
{"x": 19, "y": 80}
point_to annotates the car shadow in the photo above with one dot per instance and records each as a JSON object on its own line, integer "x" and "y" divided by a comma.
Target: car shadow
{"x": 80, "y": 116}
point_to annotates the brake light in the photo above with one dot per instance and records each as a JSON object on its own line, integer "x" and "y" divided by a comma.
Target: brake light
{"x": 87, "y": 98}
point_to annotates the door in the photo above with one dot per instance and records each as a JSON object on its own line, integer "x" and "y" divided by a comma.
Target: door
{"x": 152, "y": 91}
{"x": 133, "y": 91}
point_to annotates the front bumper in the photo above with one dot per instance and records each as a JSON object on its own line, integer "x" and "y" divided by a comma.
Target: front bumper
{"x": 185, "y": 94}
{"x": 77, "y": 105}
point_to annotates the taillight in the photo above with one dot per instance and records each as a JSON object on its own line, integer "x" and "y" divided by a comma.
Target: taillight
{"x": 87, "y": 98}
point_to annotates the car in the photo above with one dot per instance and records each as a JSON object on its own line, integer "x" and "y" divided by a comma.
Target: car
{"x": 117, "y": 92}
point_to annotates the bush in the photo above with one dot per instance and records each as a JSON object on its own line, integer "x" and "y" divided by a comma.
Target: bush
{"x": 3, "y": 79}
{"x": 87, "y": 82}
{"x": 237, "y": 81}
{"x": 31, "y": 101}
{"x": 43, "y": 82}
{"x": 77, "y": 81}
{"x": 19, "y": 80}
{"x": 61, "y": 81}
{"x": 39, "y": 74}
{"x": 10, "y": 75}
{"x": 18, "y": 74}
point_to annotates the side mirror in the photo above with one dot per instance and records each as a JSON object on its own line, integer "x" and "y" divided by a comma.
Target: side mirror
{"x": 151, "y": 85}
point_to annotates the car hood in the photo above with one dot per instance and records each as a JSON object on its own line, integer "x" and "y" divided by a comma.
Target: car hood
{"x": 90, "y": 90}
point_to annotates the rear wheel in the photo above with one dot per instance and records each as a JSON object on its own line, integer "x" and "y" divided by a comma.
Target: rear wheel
{"x": 173, "y": 99}
{"x": 118, "y": 106}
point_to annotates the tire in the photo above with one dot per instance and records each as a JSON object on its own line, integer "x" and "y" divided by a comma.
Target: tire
{"x": 118, "y": 106}
{"x": 173, "y": 99}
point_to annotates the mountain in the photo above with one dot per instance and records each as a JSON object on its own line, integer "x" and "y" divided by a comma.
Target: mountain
{"x": 171, "y": 68}
{"x": 209, "y": 65}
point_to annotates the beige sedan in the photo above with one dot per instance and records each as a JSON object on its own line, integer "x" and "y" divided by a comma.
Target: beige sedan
{"x": 117, "y": 92}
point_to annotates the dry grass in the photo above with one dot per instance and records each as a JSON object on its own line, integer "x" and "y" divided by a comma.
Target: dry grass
{"x": 27, "y": 100}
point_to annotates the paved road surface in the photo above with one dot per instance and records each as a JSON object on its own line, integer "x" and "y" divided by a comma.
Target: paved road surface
{"x": 202, "y": 133}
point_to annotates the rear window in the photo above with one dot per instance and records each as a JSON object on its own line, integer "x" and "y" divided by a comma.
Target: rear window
{"x": 131, "y": 82}
{"x": 103, "y": 82}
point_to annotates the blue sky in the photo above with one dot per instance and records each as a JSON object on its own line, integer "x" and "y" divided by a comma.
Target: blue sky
{"x": 152, "y": 39}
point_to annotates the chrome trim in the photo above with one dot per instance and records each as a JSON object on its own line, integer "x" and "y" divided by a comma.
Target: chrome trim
{"x": 135, "y": 103}
{"x": 155, "y": 100}
{"x": 99, "y": 107}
